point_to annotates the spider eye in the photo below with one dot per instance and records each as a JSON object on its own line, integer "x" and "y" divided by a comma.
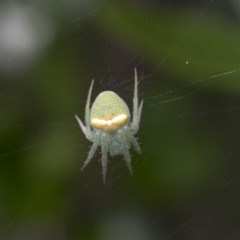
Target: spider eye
{"x": 109, "y": 112}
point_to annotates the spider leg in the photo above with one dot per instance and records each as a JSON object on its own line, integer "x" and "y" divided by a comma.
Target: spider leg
{"x": 134, "y": 142}
{"x": 139, "y": 115}
{"x": 87, "y": 129}
{"x": 125, "y": 151}
{"x": 90, "y": 154}
{"x": 84, "y": 129}
{"x": 128, "y": 159}
{"x": 137, "y": 110}
{"x": 136, "y": 145}
{"x": 87, "y": 113}
{"x": 135, "y": 97}
{"x": 104, "y": 149}
{"x": 135, "y": 125}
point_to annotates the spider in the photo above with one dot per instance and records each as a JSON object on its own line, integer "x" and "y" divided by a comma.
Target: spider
{"x": 108, "y": 125}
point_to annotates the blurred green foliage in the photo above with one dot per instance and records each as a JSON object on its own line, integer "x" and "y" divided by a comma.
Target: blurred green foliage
{"x": 207, "y": 41}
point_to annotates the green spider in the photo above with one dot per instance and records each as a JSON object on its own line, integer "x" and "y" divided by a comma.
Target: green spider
{"x": 108, "y": 125}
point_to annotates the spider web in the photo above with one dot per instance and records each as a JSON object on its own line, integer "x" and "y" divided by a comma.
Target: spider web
{"x": 185, "y": 184}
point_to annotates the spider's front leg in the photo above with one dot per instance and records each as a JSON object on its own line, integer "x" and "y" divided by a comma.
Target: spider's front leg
{"x": 87, "y": 114}
{"x": 87, "y": 128}
{"x": 84, "y": 129}
{"x": 137, "y": 110}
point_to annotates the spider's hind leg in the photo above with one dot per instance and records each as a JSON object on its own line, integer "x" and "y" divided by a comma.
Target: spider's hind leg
{"x": 104, "y": 148}
{"x": 125, "y": 145}
{"x": 128, "y": 159}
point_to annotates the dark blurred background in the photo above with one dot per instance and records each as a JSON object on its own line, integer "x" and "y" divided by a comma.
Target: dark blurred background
{"x": 186, "y": 184}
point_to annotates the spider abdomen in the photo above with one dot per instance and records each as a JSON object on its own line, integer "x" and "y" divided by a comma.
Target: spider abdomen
{"x": 109, "y": 112}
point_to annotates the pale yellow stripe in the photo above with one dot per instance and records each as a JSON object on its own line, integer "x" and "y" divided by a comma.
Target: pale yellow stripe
{"x": 111, "y": 123}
